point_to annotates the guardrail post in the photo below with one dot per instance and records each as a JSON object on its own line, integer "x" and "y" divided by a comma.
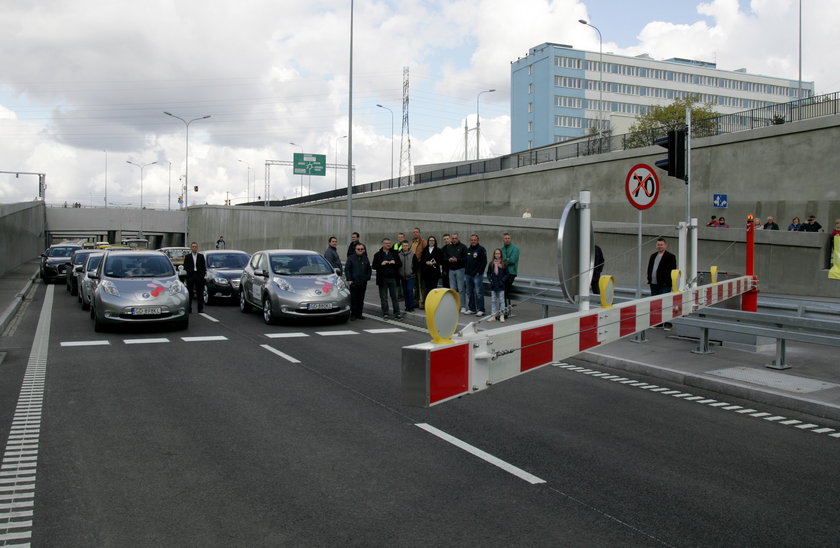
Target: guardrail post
{"x": 703, "y": 343}
{"x": 780, "y": 362}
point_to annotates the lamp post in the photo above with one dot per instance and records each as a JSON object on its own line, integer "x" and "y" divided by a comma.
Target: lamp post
{"x": 392, "y": 142}
{"x": 248, "y": 183}
{"x": 600, "y": 73}
{"x": 293, "y": 168}
{"x": 141, "y": 166}
{"x": 335, "y": 171}
{"x": 478, "y": 122}
{"x": 187, "y": 173}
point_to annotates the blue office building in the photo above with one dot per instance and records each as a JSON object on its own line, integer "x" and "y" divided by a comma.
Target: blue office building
{"x": 560, "y": 93}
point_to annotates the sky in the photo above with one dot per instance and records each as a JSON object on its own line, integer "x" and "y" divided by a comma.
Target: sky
{"x": 85, "y": 84}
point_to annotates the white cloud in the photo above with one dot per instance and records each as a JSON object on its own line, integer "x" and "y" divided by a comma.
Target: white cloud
{"x": 84, "y": 77}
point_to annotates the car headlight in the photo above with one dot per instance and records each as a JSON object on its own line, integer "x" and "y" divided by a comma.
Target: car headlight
{"x": 109, "y": 288}
{"x": 283, "y": 285}
{"x": 339, "y": 284}
{"x": 176, "y": 287}
{"x": 220, "y": 280}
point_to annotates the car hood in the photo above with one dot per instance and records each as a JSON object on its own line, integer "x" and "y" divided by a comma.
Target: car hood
{"x": 225, "y": 272}
{"x": 56, "y": 260}
{"x": 312, "y": 285}
{"x": 144, "y": 289}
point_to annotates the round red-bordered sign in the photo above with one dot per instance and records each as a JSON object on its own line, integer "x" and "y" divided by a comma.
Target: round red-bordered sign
{"x": 642, "y": 186}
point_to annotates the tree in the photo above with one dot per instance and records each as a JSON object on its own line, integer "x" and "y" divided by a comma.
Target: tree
{"x": 660, "y": 120}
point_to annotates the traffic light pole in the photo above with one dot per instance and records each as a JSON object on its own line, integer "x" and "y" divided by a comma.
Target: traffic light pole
{"x": 691, "y": 272}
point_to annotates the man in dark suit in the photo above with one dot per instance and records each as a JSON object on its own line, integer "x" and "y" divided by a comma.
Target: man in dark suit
{"x": 196, "y": 269}
{"x": 659, "y": 268}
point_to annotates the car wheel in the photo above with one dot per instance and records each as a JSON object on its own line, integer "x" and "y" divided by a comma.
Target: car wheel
{"x": 206, "y": 296}
{"x": 243, "y": 303}
{"x": 267, "y": 310}
{"x": 182, "y": 325}
{"x": 98, "y": 326}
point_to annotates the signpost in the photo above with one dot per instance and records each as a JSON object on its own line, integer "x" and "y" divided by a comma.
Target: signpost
{"x": 642, "y": 189}
{"x": 310, "y": 164}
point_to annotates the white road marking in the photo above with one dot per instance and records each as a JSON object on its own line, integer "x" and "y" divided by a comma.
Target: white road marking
{"x": 208, "y": 316}
{"x": 726, "y": 406}
{"x": 511, "y": 469}
{"x": 385, "y": 330}
{"x": 281, "y": 354}
{"x": 85, "y": 343}
{"x": 335, "y": 333}
{"x": 20, "y": 457}
{"x": 146, "y": 341}
{"x": 204, "y": 339}
{"x": 285, "y": 335}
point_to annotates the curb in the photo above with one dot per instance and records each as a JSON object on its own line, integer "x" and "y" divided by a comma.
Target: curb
{"x": 12, "y": 309}
{"x": 731, "y": 388}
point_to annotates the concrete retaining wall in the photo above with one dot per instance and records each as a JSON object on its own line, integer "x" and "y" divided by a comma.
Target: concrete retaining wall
{"x": 21, "y": 233}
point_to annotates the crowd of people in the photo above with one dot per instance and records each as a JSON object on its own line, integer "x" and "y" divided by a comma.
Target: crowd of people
{"x": 796, "y": 225}
{"x": 407, "y": 269}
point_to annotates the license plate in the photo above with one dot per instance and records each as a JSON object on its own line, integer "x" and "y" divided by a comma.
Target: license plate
{"x": 320, "y": 306}
{"x": 146, "y": 311}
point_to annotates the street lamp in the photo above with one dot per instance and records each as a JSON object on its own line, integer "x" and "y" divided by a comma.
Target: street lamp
{"x": 335, "y": 171}
{"x": 600, "y": 74}
{"x": 478, "y": 122}
{"x": 141, "y": 166}
{"x": 248, "y": 183}
{"x": 187, "y": 173}
{"x": 392, "y": 142}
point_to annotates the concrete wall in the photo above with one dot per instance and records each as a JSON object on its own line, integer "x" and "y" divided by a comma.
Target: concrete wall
{"x": 21, "y": 233}
{"x": 163, "y": 228}
{"x": 784, "y": 171}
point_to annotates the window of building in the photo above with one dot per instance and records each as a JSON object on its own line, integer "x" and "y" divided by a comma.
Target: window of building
{"x": 530, "y": 88}
{"x": 568, "y": 121}
{"x": 562, "y": 101}
{"x": 568, "y": 62}
{"x": 530, "y": 107}
{"x": 568, "y": 82}
{"x": 530, "y": 127}
{"x": 530, "y": 69}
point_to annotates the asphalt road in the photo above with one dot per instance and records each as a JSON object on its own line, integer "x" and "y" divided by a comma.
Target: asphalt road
{"x": 301, "y": 440}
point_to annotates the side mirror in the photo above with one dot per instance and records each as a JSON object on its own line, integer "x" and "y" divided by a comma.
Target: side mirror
{"x": 263, "y": 273}
{"x": 337, "y": 271}
{"x": 79, "y": 268}
{"x": 181, "y": 272}
{"x": 93, "y": 276}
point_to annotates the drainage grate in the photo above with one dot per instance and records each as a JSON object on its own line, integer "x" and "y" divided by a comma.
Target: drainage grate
{"x": 790, "y": 383}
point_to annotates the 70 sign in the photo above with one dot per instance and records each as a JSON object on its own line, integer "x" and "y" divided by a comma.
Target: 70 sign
{"x": 642, "y": 186}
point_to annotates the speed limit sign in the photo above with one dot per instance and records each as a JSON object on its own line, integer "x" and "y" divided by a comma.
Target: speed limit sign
{"x": 642, "y": 186}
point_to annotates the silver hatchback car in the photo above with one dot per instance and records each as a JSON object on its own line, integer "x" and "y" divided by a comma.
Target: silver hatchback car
{"x": 138, "y": 287}
{"x": 293, "y": 283}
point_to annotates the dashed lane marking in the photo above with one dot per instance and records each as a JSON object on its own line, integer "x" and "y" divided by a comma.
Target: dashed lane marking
{"x": 208, "y": 316}
{"x": 511, "y": 469}
{"x": 385, "y": 330}
{"x": 285, "y": 335}
{"x": 279, "y": 353}
{"x": 205, "y": 339}
{"x": 85, "y": 343}
{"x": 337, "y": 333}
{"x": 709, "y": 402}
{"x": 146, "y": 341}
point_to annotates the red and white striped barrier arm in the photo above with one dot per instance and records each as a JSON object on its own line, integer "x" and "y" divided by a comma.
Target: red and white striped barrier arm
{"x": 434, "y": 373}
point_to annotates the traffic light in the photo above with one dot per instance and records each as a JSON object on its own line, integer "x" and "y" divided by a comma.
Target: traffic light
{"x": 195, "y": 188}
{"x": 675, "y": 142}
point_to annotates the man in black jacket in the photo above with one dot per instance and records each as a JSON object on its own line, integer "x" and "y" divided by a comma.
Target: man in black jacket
{"x": 387, "y": 264}
{"x": 357, "y": 273}
{"x": 196, "y": 269}
{"x": 659, "y": 268}
{"x": 455, "y": 256}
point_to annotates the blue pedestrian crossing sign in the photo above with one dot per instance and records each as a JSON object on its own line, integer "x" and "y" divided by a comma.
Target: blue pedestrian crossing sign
{"x": 720, "y": 200}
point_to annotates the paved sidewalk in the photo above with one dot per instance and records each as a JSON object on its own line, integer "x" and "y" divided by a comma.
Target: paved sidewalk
{"x": 811, "y": 386}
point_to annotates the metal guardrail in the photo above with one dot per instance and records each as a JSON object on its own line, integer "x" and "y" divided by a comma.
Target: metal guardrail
{"x": 813, "y": 322}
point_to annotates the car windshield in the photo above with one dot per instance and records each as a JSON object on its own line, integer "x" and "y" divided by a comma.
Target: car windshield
{"x": 300, "y": 265}
{"x": 134, "y": 266}
{"x": 93, "y": 263}
{"x": 176, "y": 253}
{"x": 61, "y": 251}
{"x": 227, "y": 260}
{"x": 79, "y": 258}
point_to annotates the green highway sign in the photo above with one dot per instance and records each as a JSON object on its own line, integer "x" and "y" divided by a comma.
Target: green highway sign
{"x": 310, "y": 164}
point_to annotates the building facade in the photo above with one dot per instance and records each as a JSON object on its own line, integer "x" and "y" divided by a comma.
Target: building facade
{"x": 560, "y": 93}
